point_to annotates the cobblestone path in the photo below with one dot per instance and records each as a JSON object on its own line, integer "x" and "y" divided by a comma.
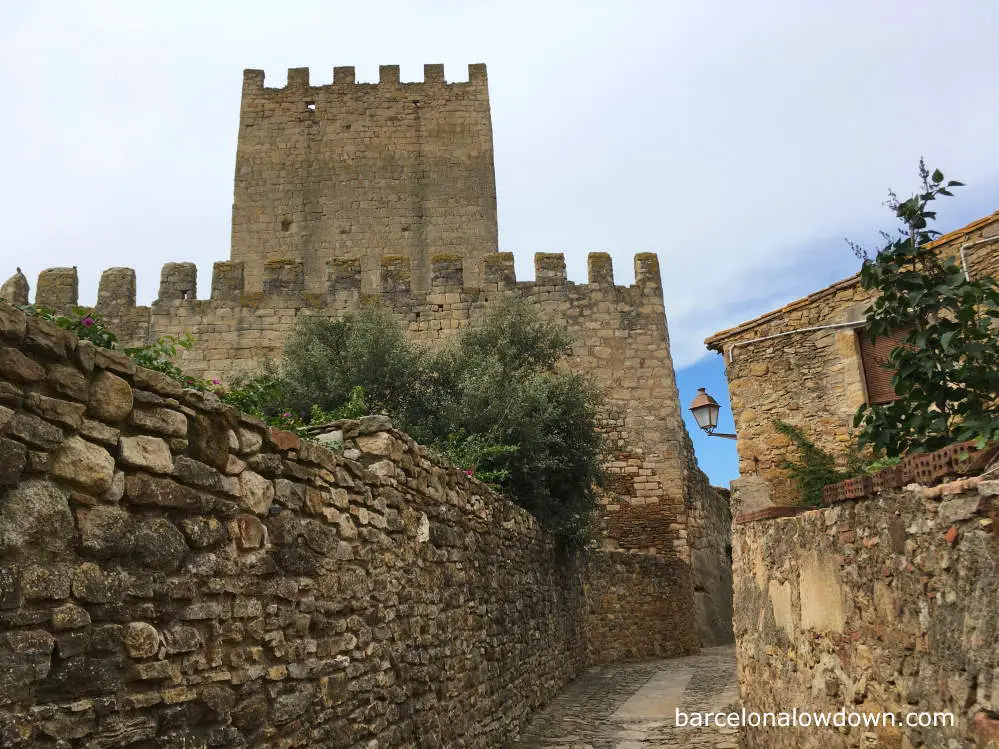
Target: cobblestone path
{"x": 633, "y": 706}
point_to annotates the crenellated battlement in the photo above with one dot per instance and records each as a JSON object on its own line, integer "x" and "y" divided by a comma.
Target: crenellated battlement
{"x": 117, "y": 288}
{"x": 255, "y": 80}
{"x": 58, "y": 287}
{"x": 364, "y": 170}
{"x": 349, "y": 194}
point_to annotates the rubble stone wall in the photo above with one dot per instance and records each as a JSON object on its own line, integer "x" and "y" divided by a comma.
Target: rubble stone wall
{"x": 710, "y": 535}
{"x": 881, "y": 604}
{"x": 174, "y": 574}
{"x": 619, "y": 336}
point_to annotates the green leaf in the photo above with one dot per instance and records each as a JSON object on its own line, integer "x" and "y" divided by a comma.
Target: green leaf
{"x": 947, "y": 375}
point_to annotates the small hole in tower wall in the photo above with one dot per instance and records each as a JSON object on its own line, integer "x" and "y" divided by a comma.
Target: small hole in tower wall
{"x": 311, "y": 106}
{"x": 285, "y": 224}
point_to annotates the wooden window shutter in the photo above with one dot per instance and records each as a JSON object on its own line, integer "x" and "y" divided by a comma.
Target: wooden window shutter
{"x": 874, "y": 359}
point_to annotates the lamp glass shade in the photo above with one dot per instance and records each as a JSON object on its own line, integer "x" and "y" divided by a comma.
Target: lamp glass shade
{"x": 705, "y": 410}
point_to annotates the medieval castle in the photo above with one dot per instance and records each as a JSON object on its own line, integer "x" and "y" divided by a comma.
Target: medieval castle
{"x": 350, "y": 192}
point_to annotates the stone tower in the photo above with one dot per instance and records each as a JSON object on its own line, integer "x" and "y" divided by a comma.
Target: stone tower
{"x": 363, "y": 170}
{"x": 352, "y": 193}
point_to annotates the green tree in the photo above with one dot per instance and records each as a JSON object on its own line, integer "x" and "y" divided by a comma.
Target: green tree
{"x": 497, "y": 400}
{"x": 326, "y": 359}
{"x": 947, "y": 370}
{"x": 506, "y": 379}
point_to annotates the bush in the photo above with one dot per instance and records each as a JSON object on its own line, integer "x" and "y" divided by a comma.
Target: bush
{"x": 326, "y": 359}
{"x": 90, "y": 326}
{"x": 503, "y": 380}
{"x": 496, "y": 401}
{"x": 947, "y": 370}
{"x": 264, "y": 395}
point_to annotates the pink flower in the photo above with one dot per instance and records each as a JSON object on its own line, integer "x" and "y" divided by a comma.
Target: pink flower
{"x": 469, "y": 472}
{"x": 216, "y": 382}
{"x": 88, "y": 321}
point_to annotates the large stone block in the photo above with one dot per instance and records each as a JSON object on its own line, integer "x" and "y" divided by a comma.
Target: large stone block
{"x": 13, "y": 459}
{"x": 17, "y": 367}
{"x": 110, "y": 397}
{"x": 163, "y": 421}
{"x": 149, "y": 453}
{"x": 35, "y": 522}
{"x": 34, "y": 431}
{"x": 85, "y": 464}
{"x": 208, "y": 438}
{"x": 162, "y": 492}
{"x": 69, "y": 381}
{"x": 257, "y": 492}
{"x": 142, "y": 640}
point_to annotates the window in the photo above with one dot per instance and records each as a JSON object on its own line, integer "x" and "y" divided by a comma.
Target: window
{"x": 874, "y": 360}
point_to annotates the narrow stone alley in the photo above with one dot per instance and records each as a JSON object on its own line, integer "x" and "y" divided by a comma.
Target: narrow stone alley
{"x": 633, "y": 706}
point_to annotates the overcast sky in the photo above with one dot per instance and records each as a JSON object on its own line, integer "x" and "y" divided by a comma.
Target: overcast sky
{"x": 740, "y": 141}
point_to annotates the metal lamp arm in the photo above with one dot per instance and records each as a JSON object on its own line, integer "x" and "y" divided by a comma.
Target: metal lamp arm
{"x": 712, "y": 433}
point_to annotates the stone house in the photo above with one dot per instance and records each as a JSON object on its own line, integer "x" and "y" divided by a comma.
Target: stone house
{"x": 807, "y": 364}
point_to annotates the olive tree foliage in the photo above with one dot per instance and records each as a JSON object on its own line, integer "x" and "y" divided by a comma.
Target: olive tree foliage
{"x": 947, "y": 370}
{"x": 326, "y": 359}
{"x": 506, "y": 379}
{"x": 497, "y": 400}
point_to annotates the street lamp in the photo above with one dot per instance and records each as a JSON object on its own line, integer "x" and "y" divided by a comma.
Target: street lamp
{"x": 705, "y": 410}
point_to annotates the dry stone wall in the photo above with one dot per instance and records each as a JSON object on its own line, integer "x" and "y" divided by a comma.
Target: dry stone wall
{"x": 174, "y": 574}
{"x": 620, "y": 339}
{"x": 710, "y": 534}
{"x": 885, "y": 604}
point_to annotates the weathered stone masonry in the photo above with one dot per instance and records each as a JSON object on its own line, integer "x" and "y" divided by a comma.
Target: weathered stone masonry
{"x": 355, "y": 194}
{"x": 780, "y": 368}
{"x": 174, "y": 574}
{"x": 882, "y": 604}
{"x": 620, "y": 334}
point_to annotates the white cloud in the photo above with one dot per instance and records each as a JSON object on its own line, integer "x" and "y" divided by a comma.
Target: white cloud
{"x": 737, "y": 140}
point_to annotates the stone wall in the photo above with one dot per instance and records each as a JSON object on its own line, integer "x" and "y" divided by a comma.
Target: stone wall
{"x": 710, "y": 534}
{"x": 881, "y": 604}
{"x": 174, "y": 575}
{"x": 353, "y": 194}
{"x": 358, "y": 170}
{"x": 637, "y": 607}
{"x": 620, "y": 339}
{"x": 812, "y": 379}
